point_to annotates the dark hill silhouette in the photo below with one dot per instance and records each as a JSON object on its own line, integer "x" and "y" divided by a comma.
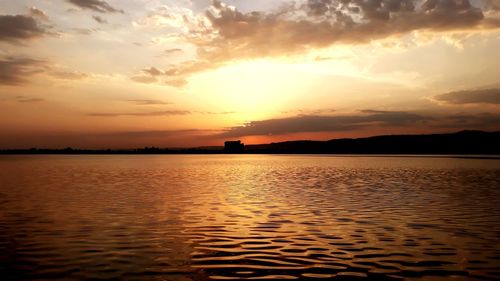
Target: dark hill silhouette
{"x": 464, "y": 142}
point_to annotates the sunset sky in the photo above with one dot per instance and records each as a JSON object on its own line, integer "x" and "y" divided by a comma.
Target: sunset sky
{"x": 135, "y": 73}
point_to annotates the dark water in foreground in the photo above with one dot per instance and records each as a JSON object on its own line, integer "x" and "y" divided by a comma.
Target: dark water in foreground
{"x": 249, "y": 217}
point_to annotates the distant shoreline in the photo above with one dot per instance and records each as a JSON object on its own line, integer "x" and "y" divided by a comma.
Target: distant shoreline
{"x": 350, "y": 155}
{"x": 461, "y": 144}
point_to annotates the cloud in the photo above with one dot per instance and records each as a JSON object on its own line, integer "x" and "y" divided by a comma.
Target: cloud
{"x": 68, "y": 75}
{"x": 223, "y": 33}
{"x": 100, "y": 19}
{"x": 17, "y": 71}
{"x": 23, "y": 99}
{"x": 365, "y": 120}
{"x": 462, "y": 121}
{"x": 322, "y": 111}
{"x": 170, "y": 77}
{"x": 38, "y": 14}
{"x": 164, "y": 133}
{"x": 148, "y": 102}
{"x": 83, "y": 31}
{"x": 153, "y": 71}
{"x": 142, "y": 114}
{"x": 215, "y": 113}
{"x": 144, "y": 79}
{"x": 484, "y": 96}
{"x": 171, "y": 51}
{"x": 493, "y": 5}
{"x": 20, "y": 27}
{"x": 95, "y": 5}
{"x": 318, "y": 123}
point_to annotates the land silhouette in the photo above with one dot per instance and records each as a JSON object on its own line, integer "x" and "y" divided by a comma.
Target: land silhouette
{"x": 463, "y": 142}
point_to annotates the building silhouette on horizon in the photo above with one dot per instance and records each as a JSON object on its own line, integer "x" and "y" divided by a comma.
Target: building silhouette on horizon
{"x": 234, "y": 146}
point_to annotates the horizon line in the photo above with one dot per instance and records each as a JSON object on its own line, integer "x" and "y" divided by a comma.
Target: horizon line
{"x": 221, "y": 147}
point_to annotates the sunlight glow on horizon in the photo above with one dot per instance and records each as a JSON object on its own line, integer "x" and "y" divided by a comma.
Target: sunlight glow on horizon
{"x": 82, "y": 72}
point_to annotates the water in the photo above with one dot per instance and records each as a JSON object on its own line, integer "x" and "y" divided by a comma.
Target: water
{"x": 249, "y": 217}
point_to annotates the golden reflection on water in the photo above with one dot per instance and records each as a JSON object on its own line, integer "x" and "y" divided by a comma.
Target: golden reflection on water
{"x": 248, "y": 217}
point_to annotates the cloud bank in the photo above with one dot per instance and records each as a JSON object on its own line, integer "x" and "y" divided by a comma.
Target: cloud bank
{"x": 364, "y": 120}
{"x": 315, "y": 123}
{"x": 485, "y": 96}
{"x": 223, "y": 33}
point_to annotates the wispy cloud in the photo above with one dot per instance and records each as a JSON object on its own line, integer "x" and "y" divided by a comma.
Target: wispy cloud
{"x": 141, "y": 114}
{"x": 95, "y": 5}
{"x": 149, "y": 102}
{"x": 17, "y": 71}
{"x": 173, "y": 50}
{"x": 100, "y": 19}
{"x": 24, "y": 99}
{"x": 20, "y": 70}
{"x": 155, "y": 75}
{"x": 69, "y": 75}
{"x": 323, "y": 111}
{"x": 215, "y": 112}
{"x": 159, "y": 133}
{"x": 83, "y": 31}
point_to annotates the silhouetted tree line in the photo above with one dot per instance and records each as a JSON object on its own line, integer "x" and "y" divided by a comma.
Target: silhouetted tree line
{"x": 464, "y": 142}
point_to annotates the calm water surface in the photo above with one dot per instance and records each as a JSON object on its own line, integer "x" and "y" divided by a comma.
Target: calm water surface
{"x": 249, "y": 217}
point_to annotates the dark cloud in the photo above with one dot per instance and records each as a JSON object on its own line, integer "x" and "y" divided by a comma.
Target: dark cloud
{"x": 314, "y": 123}
{"x": 19, "y": 27}
{"x": 484, "y": 96}
{"x": 148, "y": 102}
{"x": 297, "y": 28}
{"x": 16, "y": 71}
{"x": 100, "y": 19}
{"x": 493, "y": 5}
{"x": 144, "y": 114}
{"x": 486, "y": 120}
{"x": 95, "y": 5}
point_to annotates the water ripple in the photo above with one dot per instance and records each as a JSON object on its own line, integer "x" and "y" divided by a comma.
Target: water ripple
{"x": 248, "y": 218}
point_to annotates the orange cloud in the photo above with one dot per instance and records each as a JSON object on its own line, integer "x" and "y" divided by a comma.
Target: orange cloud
{"x": 294, "y": 29}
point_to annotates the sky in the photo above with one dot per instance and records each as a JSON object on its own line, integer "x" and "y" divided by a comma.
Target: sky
{"x": 185, "y": 73}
